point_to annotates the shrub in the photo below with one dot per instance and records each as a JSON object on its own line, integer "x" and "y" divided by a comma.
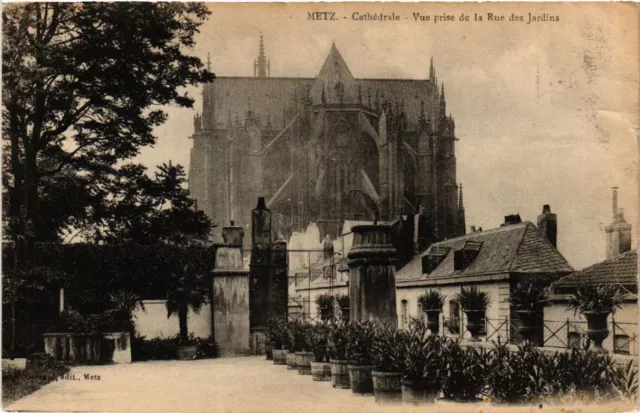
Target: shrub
{"x": 422, "y": 352}
{"x": 17, "y": 383}
{"x": 360, "y": 339}
{"x": 431, "y": 300}
{"x": 520, "y": 376}
{"x": 325, "y": 301}
{"x": 318, "y": 338}
{"x": 583, "y": 374}
{"x": 529, "y": 295}
{"x": 387, "y": 350}
{"x": 452, "y": 325}
{"x": 471, "y": 299}
{"x": 338, "y": 340}
{"x": 343, "y": 301}
{"x": 297, "y": 333}
{"x": 276, "y": 332}
{"x": 167, "y": 348}
{"x": 597, "y": 298}
{"x": 464, "y": 371}
{"x": 626, "y": 381}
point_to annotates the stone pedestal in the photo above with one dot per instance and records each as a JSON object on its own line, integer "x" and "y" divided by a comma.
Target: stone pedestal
{"x": 230, "y": 309}
{"x": 372, "y": 275}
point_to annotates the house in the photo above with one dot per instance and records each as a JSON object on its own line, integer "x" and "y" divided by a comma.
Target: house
{"x": 492, "y": 260}
{"x": 620, "y": 269}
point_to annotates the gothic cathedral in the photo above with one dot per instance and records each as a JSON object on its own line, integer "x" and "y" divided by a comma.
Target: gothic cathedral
{"x": 325, "y": 150}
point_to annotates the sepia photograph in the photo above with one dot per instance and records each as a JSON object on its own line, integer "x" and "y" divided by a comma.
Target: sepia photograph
{"x": 320, "y": 207}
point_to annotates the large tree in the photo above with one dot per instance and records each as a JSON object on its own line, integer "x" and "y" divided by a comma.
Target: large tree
{"x": 83, "y": 87}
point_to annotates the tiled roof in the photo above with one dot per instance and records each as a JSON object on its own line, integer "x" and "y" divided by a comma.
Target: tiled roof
{"x": 622, "y": 269}
{"x": 517, "y": 248}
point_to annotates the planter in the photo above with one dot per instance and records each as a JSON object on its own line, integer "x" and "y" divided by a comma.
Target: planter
{"x": 268, "y": 350}
{"x": 360, "y": 378}
{"x": 433, "y": 320}
{"x": 529, "y": 325}
{"x": 597, "y": 329}
{"x": 320, "y": 371}
{"x": 386, "y": 387}
{"x": 187, "y": 352}
{"x": 425, "y": 390}
{"x": 291, "y": 361}
{"x": 78, "y": 348}
{"x": 280, "y": 357}
{"x": 474, "y": 323}
{"x": 340, "y": 374}
{"x": 303, "y": 362}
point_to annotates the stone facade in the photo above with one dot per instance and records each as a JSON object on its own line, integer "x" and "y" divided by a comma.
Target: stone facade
{"x": 326, "y": 149}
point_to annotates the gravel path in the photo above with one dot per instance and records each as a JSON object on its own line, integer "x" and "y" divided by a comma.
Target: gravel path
{"x": 229, "y": 385}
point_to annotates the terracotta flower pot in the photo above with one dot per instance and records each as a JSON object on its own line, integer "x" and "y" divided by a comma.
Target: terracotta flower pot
{"x": 474, "y": 323}
{"x": 386, "y": 387}
{"x": 528, "y": 327}
{"x": 433, "y": 320}
{"x": 268, "y": 350}
{"x": 340, "y": 374}
{"x": 361, "y": 380}
{"x": 597, "y": 329}
{"x": 280, "y": 357}
{"x": 291, "y": 361}
{"x": 320, "y": 371}
{"x": 303, "y": 362}
{"x": 422, "y": 391}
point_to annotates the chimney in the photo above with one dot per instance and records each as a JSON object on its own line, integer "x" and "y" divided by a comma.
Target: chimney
{"x": 619, "y": 232}
{"x": 548, "y": 225}
{"x": 511, "y": 220}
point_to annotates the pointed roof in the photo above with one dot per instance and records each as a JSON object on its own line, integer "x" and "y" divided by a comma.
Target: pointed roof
{"x": 335, "y": 79}
{"x": 516, "y": 248}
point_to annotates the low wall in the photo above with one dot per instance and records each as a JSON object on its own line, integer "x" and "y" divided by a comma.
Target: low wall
{"x": 73, "y": 348}
{"x": 152, "y": 322}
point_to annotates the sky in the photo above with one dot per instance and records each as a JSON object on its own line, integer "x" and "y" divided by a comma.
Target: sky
{"x": 545, "y": 113}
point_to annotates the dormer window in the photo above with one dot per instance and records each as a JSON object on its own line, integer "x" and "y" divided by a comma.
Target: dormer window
{"x": 462, "y": 258}
{"x": 435, "y": 256}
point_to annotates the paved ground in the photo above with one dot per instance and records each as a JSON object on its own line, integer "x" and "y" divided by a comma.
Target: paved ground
{"x": 231, "y": 385}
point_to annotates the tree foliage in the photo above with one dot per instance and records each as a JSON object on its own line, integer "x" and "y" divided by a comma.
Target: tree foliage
{"x": 83, "y": 84}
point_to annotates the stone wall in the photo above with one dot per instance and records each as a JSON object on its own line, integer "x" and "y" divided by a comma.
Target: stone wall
{"x": 152, "y": 322}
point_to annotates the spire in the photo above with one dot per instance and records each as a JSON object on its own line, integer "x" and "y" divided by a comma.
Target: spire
{"x": 432, "y": 71}
{"x": 261, "y": 66}
{"x": 460, "y": 200}
{"x": 443, "y": 103}
{"x": 335, "y": 80}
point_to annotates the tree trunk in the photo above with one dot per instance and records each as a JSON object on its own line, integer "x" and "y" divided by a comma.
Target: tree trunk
{"x": 182, "y": 318}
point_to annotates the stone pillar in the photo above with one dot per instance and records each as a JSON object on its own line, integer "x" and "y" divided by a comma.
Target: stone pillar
{"x": 372, "y": 275}
{"x": 230, "y": 307}
{"x": 260, "y": 273}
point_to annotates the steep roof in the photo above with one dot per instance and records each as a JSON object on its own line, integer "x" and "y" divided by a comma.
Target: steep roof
{"x": 517, "y": 248}
{"x": 622, "y": 269}
{"x": 334, "y": 74}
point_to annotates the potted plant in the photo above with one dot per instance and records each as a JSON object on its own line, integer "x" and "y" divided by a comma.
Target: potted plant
{"x": 464, "y": 372}
{"x": 292, "y": 327}
{"x": 388, "y": 357}
{"x": 276, "y": 331}
{"x": 596, "y": 302}
{"x": 186, "y": 291}
{"x": 338, "y": 343}
{"x": 432, "y": 302}
{"x": 318, "y": 338}
{"x": 343, "y": 302}
{"x": 528, "y": 299}
{"x": 361, "y": 338}
{"x": 474, "y": 304}
{"x": 325, "y": 306}
{"x": 302, "y": 348}
{"x": 421, "y": 364}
